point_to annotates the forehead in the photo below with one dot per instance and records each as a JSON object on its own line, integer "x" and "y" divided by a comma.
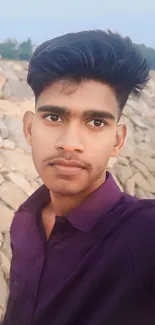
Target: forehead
{"x": 79, "y": 97}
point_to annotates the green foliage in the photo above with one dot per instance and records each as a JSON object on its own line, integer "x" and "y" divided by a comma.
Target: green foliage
{"x": 10, "y": 49}
{"x": 25, "y": 50}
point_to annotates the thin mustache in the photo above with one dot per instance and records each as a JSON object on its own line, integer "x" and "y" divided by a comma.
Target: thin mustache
{"x": 68, "y": 158}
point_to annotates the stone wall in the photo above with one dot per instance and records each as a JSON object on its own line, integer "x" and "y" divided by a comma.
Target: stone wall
{"x": 133, "y": 170}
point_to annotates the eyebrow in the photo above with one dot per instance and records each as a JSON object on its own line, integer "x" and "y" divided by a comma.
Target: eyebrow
{"x": 53, "y": 109}
{"x": 99, "y": 114}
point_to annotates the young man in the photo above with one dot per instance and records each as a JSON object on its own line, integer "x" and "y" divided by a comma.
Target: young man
{"x": 83, "y": 252}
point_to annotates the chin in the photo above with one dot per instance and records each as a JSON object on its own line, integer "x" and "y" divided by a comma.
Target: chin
{"x": 66, "y": 189}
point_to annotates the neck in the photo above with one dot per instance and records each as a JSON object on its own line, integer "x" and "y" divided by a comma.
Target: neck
{"x": 62, "y": 205}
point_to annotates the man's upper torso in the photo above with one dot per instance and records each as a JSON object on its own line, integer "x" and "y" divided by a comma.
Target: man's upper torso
{"x": 97, "y": 267}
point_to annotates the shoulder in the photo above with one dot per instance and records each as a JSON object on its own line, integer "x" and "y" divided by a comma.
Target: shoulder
{"x": 141, "y": 217}
{"x": 140, "y": 232}
{"x": 142, "y": 214}
{"x": 139, "y": 210}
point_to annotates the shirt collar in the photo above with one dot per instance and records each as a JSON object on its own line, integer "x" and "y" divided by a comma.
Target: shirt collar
{"x": 88, "y": 213}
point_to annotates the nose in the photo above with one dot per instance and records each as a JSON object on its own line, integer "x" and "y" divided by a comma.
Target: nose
{"x": 71, "y": 140}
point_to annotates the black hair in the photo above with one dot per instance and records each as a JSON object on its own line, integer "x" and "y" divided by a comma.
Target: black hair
{"x": 98, "y": 55}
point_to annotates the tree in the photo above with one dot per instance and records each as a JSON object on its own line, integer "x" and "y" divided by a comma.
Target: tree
{"x": 9, "y": 49}
{"x": 25, "y": 50}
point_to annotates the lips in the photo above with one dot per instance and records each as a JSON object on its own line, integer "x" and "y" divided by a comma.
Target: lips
{"x": 68, "y": 167}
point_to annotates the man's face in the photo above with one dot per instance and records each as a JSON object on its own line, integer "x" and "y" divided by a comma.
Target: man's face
{"x": 73, "y": 134}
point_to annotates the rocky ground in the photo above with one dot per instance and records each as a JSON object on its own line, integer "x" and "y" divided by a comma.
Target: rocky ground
{"x": 133, "y": 170}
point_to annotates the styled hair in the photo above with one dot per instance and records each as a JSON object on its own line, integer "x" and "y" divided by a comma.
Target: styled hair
{"x": 98, "y": 55}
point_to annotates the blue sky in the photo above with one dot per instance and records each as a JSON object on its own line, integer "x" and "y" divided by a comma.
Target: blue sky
{"x": 50, "y": 18}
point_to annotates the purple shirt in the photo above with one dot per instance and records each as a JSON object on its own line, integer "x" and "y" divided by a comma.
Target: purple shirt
{"x": 97, "y": 268}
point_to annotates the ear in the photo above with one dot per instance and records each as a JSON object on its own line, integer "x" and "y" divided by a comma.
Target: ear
{"x": 27, "y": 125}
{"x": 121, "y": 134}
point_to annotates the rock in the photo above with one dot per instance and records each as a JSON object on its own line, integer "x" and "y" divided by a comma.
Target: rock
{"x": 112, "y": 162}
{"x": 140, "y": 107}
{"x": 17, "y": 160}
{"x": 5, "y": 266}
{"x": 1, "y": 142}
{"x": 2, "y": 81}
{"x": 138, "y": 137}
{"x": 146, "y": 139}
{"x": 152, "y": 137}
{"x": 3, "y": 129}
{"x": 128, "y": 111}
{"x": 141, "y": 182}
{"x": 148, "y": 162}
{"x": 143, "y": 148}
{"x": 8, "y": 144}
{"x": 39, "y": 181}
{"x": 123, "y": 173}
{"x": 10, "y": 108}
{"x": 34, "y": 184}
{"x": 1, "y": 239}
{"x": 143, "y": 108}
{"x": 130, "y": 186}
{"x": 8, "y": 71}
{"x": 6, "y": 217}
{"x": 17, "y": 89}
{"x": 2, "y": 160}
{"x": 146, "y": 92}
{"x": 117, "y": 182}
{"x": 149, "y": 89}
{"x": 12, "y": 195}
{"x": 151, "y": 181}
{"x": 22, "y": 75}
{"x": 139, "y": 130}
{"x": 1, "y": 315}
{"x": 1, "y": 179}
{"x": 141, "y": 167}
{"x": 20, "y": 181}
{"x": 150, "y": 195}
{"x": 133, "y": 102}
{"x": 140, "y": 194}
{"x": 15, "y": 127}
{"x": 2, "y": 116}
{"x": 149, "y": 121}
{"x": 17, "y": 67}
{"x": 123, "y": 161}
{"x": 3, "y": 291}
{"x": 28, "y": 104}
{"x": 141, "y": 151}
{"x": 5, "y": 248}
{"x": 138, "y": 121}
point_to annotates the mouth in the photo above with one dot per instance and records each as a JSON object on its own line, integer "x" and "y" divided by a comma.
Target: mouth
{"x": 67, "y": 167}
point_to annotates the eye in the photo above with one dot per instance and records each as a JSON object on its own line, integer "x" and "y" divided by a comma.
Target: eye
{"x": 53, "y": 118}
{"x": 96, "y": 123}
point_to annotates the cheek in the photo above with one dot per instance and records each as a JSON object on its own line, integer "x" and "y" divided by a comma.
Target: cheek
{"x": 102, "y": 147}
{"x": 42, "y": 143}
{"x": 42, "y": 136}
{"x": 100, "y": 152}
